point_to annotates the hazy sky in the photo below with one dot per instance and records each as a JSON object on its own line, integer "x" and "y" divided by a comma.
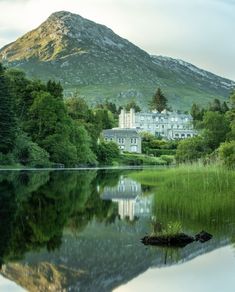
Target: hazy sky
{"x": 199, "y": 31}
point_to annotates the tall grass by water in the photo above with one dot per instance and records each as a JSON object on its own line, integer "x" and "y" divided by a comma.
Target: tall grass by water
{"x": 200, "y": 197}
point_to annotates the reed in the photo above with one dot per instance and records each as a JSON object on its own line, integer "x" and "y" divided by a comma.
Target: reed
{"x": 197, "y": 196}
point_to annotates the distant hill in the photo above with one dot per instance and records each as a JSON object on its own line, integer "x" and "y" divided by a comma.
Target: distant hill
{"x": 92, "y": 59}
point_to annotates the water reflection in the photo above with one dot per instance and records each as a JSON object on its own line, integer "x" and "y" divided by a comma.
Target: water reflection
{"x": 132, "y": 203}
{"x": 65, "y": 230}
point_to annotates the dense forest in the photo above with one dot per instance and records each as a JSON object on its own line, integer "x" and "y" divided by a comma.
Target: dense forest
{"x": 38, "y": 128}
{"x": 216, "y": 134}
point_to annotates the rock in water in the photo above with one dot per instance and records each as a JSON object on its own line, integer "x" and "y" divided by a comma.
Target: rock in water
{"x": 203, "y": 236}
{"x": 178, "y": 240}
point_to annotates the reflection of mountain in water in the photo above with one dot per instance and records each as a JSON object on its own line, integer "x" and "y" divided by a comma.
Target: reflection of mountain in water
{"x": 100, "y": 259}
{"x": 61, "y": 236}
{"x": 131, "y": 201}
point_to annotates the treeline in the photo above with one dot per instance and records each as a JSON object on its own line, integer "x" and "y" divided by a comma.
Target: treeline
{"x": 216, "y": 138}
{"x": 39, "y": 128}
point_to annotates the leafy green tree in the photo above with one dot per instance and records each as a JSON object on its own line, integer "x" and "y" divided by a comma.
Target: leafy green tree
{"x": 8, "y": 125}
{"x": 159, "y": 101}
{"x": 24, "y": 92}
{"x": 107, "y": 152}
{"x": 82, "y": 140}
{"x": 191, "y": 149}
{"x": 78, "y": 109}
{"x": 29, "y": 153}
{"x": 55, "y": 89}
{"x": 47, "y": 117}
{"x": 197, "y": 114}
{"x": 227, "y": 153}
{"x": 216, "y": 129}
{"x": 104, "y": 119}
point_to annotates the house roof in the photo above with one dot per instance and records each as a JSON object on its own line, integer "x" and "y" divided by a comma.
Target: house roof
{"x": 116, "y": 131}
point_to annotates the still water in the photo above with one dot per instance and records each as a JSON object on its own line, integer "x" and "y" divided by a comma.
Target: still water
{"x": 81, "y": 231}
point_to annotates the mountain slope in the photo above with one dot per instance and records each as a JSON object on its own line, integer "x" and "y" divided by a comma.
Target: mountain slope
{"x": 90, "y": 57}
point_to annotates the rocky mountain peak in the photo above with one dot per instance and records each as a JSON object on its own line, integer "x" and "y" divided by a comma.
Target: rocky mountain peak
{"x": 81, "y": 53}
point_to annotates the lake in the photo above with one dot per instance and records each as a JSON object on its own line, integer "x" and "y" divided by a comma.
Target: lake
{"x": 80, "y": 230}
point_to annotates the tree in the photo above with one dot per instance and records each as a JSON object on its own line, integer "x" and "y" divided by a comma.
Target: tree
{"x": 29, "y": 153}
{"x": 82, "y": 140}
{"x": 104, "y": 118}
{"x": 107, "y": 152}
{"x": 55, "y": 89}
{"x": 78, "y": 109}
{"x": 159, "y": 101}
{"x": 227, "y": 153}
{"x": 134, "y": 105}
{"x": 197, "y": 114}
{"x": 232, "y": 100}
{"x": 191, "y": 149}
{"x": 215, "y": 106}
{"x": 7, "y": 115}
{"x": 216, "y": 127}
{"x": 224, "y": 107}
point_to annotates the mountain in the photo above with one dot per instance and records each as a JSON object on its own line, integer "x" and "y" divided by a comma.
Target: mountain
{"x": 91, "y": 58}
{"x": 95, "y": 262}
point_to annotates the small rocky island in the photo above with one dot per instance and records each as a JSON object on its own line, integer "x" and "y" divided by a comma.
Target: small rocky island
{"x": 176, "y": 240}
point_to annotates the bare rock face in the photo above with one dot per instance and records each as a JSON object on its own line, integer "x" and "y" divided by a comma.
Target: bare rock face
{"x": 42, "y": 277}
{"x": 81, "y": 53}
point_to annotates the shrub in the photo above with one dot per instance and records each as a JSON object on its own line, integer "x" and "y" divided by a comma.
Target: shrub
{"x": 191, "y": 149}
{"x": 169, "y": 159}
{"x": 107, "y": 152}
{"x": 29, "y": 153}
{"x": 227, "y": 153}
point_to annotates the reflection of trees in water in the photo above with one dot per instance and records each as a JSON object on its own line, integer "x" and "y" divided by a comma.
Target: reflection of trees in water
{"x": 36, "y": 206}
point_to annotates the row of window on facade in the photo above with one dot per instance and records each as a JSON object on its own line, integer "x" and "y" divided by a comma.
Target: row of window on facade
{"x": 123, "y": 188}
{"x": 122, "y": 140}
{"x": 183, "y": 135}
{"x": 157, "y": 119}
{"x": 163, "y": 126}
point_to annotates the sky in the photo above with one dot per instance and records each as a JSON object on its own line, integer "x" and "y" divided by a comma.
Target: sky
{"x": 190, "y": 276}
{"x": 198, "y": 31}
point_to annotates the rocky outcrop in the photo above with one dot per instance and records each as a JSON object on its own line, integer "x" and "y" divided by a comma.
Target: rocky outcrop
{"x": 81, "y": 53}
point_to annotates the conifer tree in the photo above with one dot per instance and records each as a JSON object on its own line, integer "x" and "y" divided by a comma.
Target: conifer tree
{"x": 7, "y": 117}
{"x": 159, "y": 101}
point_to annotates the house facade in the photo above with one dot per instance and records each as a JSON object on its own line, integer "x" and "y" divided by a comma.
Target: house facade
{"x": 168, "y": 125}
{"x": 128, "y": 140}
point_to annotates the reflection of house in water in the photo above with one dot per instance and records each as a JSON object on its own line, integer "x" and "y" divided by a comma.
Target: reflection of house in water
{"x": 131, "y": 201}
